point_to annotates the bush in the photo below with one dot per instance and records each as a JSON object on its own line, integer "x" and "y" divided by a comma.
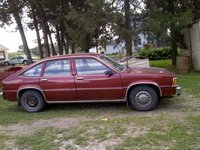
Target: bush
{"x": 156, "y": 54}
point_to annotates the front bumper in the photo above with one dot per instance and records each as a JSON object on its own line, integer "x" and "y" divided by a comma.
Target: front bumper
{"x": 178, "y": 90}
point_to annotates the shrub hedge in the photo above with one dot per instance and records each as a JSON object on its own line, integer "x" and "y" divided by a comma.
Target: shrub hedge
{"x": 156, "y": 54}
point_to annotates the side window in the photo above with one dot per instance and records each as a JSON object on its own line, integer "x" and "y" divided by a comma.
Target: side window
{"x": 34, "y": 72}
{"x": 89, "y": 66}
{"x": 57, "y": 68}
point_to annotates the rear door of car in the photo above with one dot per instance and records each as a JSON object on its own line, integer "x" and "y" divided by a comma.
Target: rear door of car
{"x": 13, "y": 60}
{"x": 57, "y": 81}
{"x": 93, "y": 84}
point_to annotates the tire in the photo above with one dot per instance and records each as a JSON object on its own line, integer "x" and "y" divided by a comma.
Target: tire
{"x": 143, "y": 98}
{"x": 6, "y": 63}
{"x": 25, "y": 62}
{"x": 32, "y": 101}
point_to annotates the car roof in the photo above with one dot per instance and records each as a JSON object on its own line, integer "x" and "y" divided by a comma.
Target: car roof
{"x": 72, "y": 55}
{"x": 64, "y": 56}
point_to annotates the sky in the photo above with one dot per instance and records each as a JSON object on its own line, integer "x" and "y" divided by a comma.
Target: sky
{"x": 11, "y": 39}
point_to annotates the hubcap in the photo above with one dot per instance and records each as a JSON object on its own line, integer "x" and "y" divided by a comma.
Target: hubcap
{"x": 31, "y": 101}
{"x": 143, "y": 98}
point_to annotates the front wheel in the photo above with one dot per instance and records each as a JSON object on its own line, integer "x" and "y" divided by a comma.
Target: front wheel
{"x": 6, "y": 63}
{"x": 143, "y": 98}
{"x": 32, "y": 101}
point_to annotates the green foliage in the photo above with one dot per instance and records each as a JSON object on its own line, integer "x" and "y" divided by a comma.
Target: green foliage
{"x": 156, "y": 54}
{"x": 86, "y": 24}
{"x": 15, "y": 54}
{"x": 166, "y": 19}
{"x": 165, "y": 15}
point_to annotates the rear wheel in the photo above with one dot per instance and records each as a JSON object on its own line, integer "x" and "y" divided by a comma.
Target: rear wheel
{"x": 32, "y": 101}
{"x": 25, "y": 62}
{"x": 143, "y": 98}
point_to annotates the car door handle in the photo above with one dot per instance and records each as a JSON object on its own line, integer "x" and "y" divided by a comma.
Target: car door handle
{"x": 43, "y": 80}
{"x": 80, "y": 78}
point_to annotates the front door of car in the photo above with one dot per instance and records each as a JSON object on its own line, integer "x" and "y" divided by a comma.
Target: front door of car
{"x": 20, "y": 60}
{"x": 93, "y": 84}
{"x": 58, "y": 82}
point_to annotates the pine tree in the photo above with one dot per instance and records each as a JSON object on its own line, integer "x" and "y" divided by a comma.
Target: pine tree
{"x": 169, "y": 15}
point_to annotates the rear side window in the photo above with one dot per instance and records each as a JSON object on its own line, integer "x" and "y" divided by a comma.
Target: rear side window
{"x": 34, "y": 72}
{"x": 57, "y": 68}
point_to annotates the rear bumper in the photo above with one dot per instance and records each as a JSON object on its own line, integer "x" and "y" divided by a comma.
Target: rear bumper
{"x": 178, "y": 90}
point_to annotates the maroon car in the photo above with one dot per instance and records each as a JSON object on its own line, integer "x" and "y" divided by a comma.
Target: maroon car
{"x": 88, "y": 78}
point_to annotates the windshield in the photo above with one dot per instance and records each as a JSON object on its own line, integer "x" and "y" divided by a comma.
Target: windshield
{"x": 113, "y": 63}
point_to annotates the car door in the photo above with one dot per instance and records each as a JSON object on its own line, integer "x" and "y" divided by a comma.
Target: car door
{"x": 13, "y": 60}
{"x": 20, "y": 60}
{"x": 57, "y": 81}
{"x": 16, "y": 60}
{"x": 92, "y": 83}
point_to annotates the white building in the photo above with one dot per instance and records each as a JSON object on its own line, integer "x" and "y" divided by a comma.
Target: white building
{"x": 192, "y": 40}
{"x": 3, "y": 53}
{"x": 113, "y": 48}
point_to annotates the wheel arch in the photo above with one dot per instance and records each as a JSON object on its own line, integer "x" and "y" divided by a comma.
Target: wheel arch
{"x": 22, "y": 90}
{"x": 24, "y": 61}
{"x": 6, "y": 63}
{"x": 153, "y": 85}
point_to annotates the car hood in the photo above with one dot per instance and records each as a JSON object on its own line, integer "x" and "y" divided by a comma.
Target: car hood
{"x": 150, "y": 70}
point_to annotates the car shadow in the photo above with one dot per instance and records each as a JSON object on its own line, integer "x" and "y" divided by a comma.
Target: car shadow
{"x": 88, "y": 106}
{"x": 165, "y": 104}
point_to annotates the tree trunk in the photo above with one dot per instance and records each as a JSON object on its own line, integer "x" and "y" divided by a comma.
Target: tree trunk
{"x": 128, "y": 36}
{"x": 35, "y": 22}
{"x": 174, "y": 47}
{"x": 25, "y": 44}
{"x": 86, "y": 46}
{"x": 46, "y": 42}
{"x": 43, "y": 19}
{"x": 49, "y": 33}
{"x": 62, "y": 30}
{"x": 73, "y": 48}
{"x": 15, "y": 11}
{"x": 62, "y": 43}
{"x": 67, "y": 46}
{"x": 58, "y": 39}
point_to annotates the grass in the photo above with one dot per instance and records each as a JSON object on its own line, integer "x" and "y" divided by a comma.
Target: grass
{"x": 176, "y": 138}
{"x": 163, "y": 64}
{"x": 43, "y": 139}
{"x": 190, "y": 82}
{"x": 15, "y": 114}
{"x": 174, "y": 124}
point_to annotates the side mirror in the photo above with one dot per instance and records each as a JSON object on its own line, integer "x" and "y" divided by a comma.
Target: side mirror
{"x": 109, "y": 72}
